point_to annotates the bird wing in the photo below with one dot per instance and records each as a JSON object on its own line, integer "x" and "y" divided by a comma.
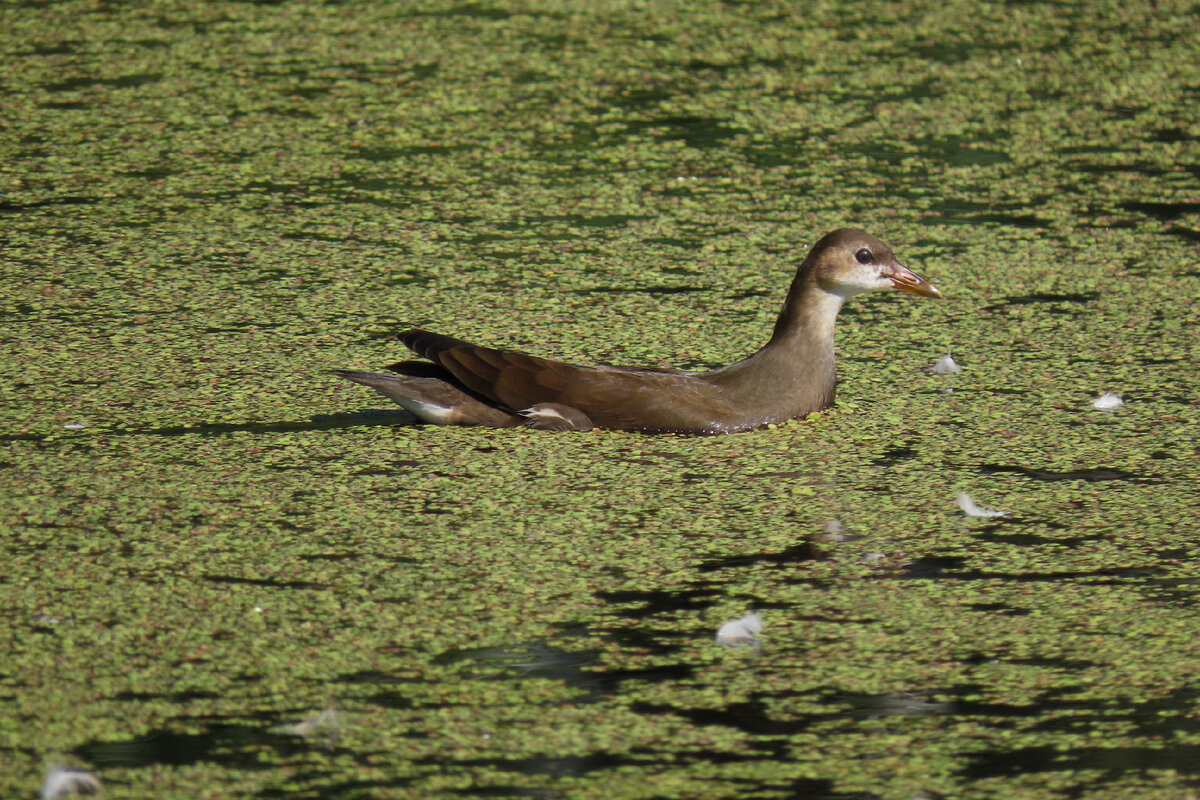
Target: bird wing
{"x": 612, "y": 397}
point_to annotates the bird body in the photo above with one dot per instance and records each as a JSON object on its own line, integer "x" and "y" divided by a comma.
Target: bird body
{"x": 792, "y": 375}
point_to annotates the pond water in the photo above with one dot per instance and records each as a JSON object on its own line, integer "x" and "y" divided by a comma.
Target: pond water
{"x": 228, "y": 573}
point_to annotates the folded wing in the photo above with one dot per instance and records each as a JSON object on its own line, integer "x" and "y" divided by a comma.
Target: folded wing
{"x": 611, "y": 397}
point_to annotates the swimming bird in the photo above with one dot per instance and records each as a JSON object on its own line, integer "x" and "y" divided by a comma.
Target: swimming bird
{"x": 791, "y": 376}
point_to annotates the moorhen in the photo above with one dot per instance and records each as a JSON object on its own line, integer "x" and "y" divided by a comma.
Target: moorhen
{"x": 791, "y": 376}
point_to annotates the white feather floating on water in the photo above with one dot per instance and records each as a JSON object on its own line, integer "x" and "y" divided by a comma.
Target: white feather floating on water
{"x": 971, "y": 509}
{"x": 831, "y": 532}
{"x": 946, "y": 365}
{"x": 324, "y": 727}
{"x": 1108, "y": 401}
{"x": 741, "y": 632}
{"x": 946, "y": 368}
{"x": 68, "y": 781}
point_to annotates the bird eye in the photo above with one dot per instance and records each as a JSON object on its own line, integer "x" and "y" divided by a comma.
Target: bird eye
{"x": 865, "y": 256}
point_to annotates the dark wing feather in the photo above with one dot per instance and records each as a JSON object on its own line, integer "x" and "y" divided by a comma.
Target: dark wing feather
{"x": 513, "y": 379}
{"x": 473, "y": 366}
{"x": 430, "y": 345}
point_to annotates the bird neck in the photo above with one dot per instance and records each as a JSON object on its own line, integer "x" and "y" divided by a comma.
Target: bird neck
{"x": 808, "y": 316}
{"x": 794, "y": 373}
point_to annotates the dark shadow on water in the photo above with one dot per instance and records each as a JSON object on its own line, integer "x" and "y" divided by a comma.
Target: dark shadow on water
{"x": 175, "y": 749}
{"x": 657, "y": 602}
{"x": 755, "y": 717}
{"x": 383, "y": 154}
{"x": 952, "y": 51}
{"x": 639, "y": 97}
{"x": 802, "y": 551}
{"x": 1031, "y": 539}
{"x": 999, "y": 608}
{"x": 173, "y": 697}
{"x": 236, "y": 747}
{"x": 610, "y": 290}
{"x": 531, "y": 659}
{"x": 351, "y": 790}
{"x": 1163, "y": 211}
{"x": 1163, "y": 719}
{"x": 536, "y": 765}
{"x": 150, "y": 173}
{"x": 1141, "y": 168}
{"x": 751, "y": 716}
{"x": 69, "y": 200}
{"x": 695, "y": 131}
{"x": 367, "y": 418}
{"x": 57, "y": 48}
{"x": 1109, "y": 762}
{"x": 1046, "y": 297}
{"x": 892, "y": 704}
{"x": 895, "y": 455}
{"x": 610, "y": 681}
{"x": 503, "y": 791}
{"x": 1091, "y": 474}
{"x": 1052, "y": 704}
{"x": 641, "y": 758}
{"x": 122, "y": 82}
{"x": 1181, "y": 591}
{"x": 820, "y": 789}
{"x": 951, "y": 150}
{"x": 269, "y": 582}
{"x": 1191, "y": 236}
{"x": 231, "y": 745}
{"x": 1050, "y": 303}
{"x": 470, "y": 10}
{"x": 968, "y": 212}
{"x": 391, "y": 699}
{"x": 575, "y": 669}
{"x": 953, "y": 568}
{"x": 368, "y": 676}
{"x": 934, "y": 567}
{"x": 601, "y": 221}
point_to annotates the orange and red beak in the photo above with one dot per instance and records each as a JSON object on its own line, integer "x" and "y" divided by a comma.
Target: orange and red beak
{"x": 906, "y": 280}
